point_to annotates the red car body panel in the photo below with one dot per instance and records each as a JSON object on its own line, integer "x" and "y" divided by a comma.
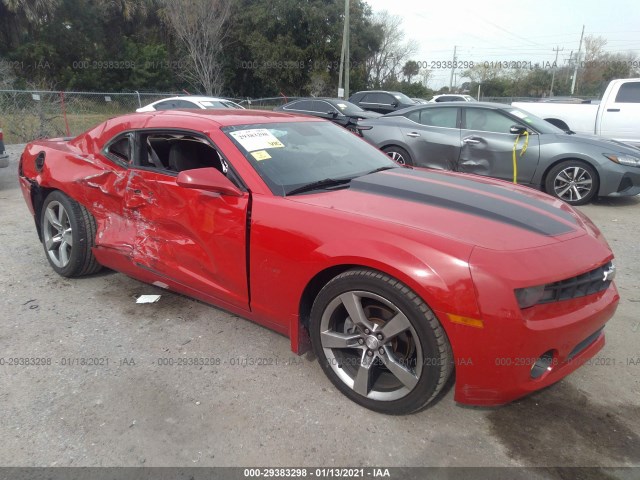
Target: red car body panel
{"x": 257, "y": 254}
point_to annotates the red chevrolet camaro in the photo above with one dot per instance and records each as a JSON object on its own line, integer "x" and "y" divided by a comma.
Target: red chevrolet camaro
{"x": 395, "y": 276}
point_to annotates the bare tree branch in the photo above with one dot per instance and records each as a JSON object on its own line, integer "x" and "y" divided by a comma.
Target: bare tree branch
{"x": 386, "y": 63}
{"x": 200, "y": 26}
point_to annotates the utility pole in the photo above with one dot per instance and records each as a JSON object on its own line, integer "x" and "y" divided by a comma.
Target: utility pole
{"x": 555, "y": 67}
{"x": 575, "y": 70}
{"x": 452, "y": 67}
{"x": 347, "y": 58}
{"x": 344, "y": 92}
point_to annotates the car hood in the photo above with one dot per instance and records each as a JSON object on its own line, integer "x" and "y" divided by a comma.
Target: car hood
{"x": 606, "y": 144}
{"x": 473, "y": 210}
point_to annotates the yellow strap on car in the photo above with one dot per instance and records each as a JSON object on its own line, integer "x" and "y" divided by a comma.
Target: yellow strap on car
{"x": 524, "y": 149}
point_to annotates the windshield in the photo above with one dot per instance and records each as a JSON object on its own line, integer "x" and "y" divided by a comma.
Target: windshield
{"x": 348, "y": 108}
{"x": 402, "y": 98}
{"x": 292, "y": 154}
{"x": 537, "y": 123}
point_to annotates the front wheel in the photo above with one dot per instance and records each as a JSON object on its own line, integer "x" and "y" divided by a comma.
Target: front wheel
{"x": 379, "y": 343}
{"x": 68, "y": 235}
{"x": 398, "y": 155}
{"x": 573, "y": 181}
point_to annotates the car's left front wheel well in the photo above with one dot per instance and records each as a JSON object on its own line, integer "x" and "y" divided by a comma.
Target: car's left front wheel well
{"x": 313, "y": 288}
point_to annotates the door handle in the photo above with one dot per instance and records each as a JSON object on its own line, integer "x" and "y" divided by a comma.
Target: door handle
{"x": 413, "y": 134}
{"x": 613, "y": 109}
{"x": 470, "y": 141}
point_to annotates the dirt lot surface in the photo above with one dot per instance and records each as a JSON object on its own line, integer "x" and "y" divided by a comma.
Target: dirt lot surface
{"x": 131, "y": 411}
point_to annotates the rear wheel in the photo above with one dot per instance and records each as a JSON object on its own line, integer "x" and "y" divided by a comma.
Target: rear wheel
{"x": 573, "y": 181}
{"x": 398, "y": 155}
{"x": 379, "y": 343}
{"x": 68, "y": 234}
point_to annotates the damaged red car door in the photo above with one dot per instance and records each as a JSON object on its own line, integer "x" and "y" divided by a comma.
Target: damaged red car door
{"x": 189, "y": 236}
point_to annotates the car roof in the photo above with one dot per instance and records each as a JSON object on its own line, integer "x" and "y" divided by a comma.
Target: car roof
{"x": 195, "y": 98}
{"x": 227, "y": 117}
{"x": 326, "y": 99}
{"x": 378, "y": 91}
{"x": 491, "y": 105}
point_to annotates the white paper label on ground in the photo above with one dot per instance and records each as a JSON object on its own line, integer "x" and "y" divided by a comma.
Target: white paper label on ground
{"x": 256, "y": 139}
{"x": 148, "y": 299}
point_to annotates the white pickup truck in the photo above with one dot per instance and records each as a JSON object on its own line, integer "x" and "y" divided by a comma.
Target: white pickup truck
{"x": 616, "y": 116}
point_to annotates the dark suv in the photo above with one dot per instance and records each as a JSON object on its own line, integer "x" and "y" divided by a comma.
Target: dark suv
{"x": 381, "y": 101}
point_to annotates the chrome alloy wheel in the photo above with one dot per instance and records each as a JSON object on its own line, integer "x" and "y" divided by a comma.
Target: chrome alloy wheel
{"x": 397, "y": 157}
{"x": 371, "y": 345}
{"x": 573, "y": 183}
{"x": 57, "y": 233}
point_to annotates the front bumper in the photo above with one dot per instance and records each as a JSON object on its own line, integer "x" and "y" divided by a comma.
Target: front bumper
{"x": 501, "y": 361}
{"x": 502, "y": 368}
{"x": 619, "y": 181}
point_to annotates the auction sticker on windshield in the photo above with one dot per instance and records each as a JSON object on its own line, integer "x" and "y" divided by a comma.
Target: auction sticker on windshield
{"x": 256, "y": 139}
{"x": 261, "y": 155}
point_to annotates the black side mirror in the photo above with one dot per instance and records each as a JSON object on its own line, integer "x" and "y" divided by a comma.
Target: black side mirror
{"x": 333, "y": 113}
{"x": 517, "y": 130}
{"x": 394, "y": 104}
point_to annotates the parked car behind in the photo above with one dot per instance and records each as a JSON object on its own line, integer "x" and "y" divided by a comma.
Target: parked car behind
{"x": 339, "y": 111}
{"x": 479, "y": 137}
{"x": 381, "y": 101}
{"x": 616, "y": 116}
{"x": 4, "y": 156}
{"x": 452, "y": 98}
{"x": 203, "y": 103}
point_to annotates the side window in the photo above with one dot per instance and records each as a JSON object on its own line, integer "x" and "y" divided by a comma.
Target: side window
{"x": 487, "y": 120}
{"x": 303, "y": 105}
{"x": 323, "y": 107}
{"x": 184, "y": 104}
{"x": 316, "y": 106}
{"x": 436, "y": 117}
{"x": 293, "y": 106}
{"x": 385, "y": 98}
{"x": 629, "y": 93}
{"x": 119, "y": 149}
{"x": 168, "y": 105}
{"x": 175, "y": 152}
{"x": 378, "y": 98}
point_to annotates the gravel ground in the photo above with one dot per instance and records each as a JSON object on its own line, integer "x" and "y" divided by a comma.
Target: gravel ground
{"x": 130, "y": 411}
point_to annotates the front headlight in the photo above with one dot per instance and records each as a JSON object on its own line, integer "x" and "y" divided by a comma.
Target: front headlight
{"x": 624, "y": 159}
{"x": 528, "y": 297}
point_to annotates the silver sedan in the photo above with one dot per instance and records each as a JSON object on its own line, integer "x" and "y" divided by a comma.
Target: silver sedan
{"x": 479, "y": 138}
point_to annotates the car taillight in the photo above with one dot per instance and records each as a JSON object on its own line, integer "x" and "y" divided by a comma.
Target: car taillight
{"x": 1, "y": 136}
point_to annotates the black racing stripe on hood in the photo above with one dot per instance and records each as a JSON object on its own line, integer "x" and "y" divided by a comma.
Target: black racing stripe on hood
{"x": 496, "y": 190}
{"x": 471, "y": 202}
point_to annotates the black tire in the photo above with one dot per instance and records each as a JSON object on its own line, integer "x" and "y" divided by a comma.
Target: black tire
{"x": 573, "y": 181}
{"x": 398, "y": 155}
{"x": 407, "y": 368}
{"x": 68, "y": 235}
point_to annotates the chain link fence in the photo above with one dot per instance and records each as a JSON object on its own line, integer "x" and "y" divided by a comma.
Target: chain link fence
{"x": 26, "y": 114}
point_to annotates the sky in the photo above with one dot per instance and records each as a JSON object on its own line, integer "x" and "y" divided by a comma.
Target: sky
{"x": 497, "y": 30}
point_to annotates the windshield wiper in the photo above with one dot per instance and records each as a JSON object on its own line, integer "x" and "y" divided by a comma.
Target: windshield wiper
{"x": 325, "y": 183}
{"x": 382, "y": 169}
